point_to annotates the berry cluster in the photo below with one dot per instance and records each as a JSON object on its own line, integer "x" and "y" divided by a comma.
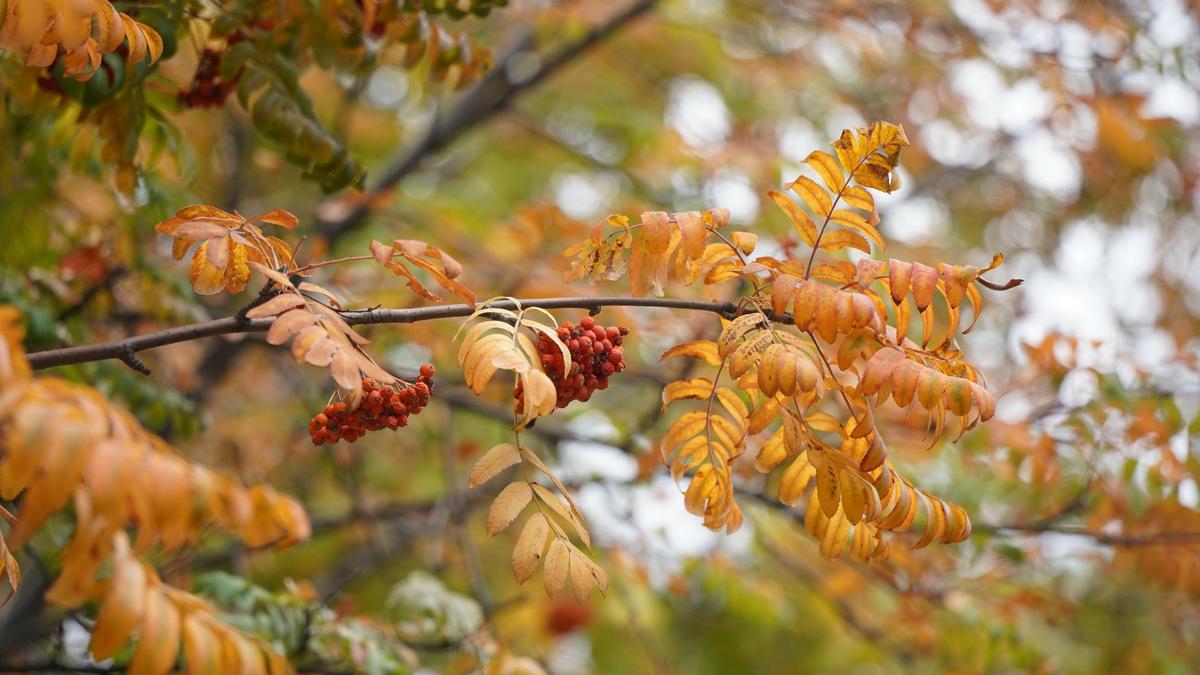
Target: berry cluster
{"x": 596, "y": 353}
{"x": 379, "y": 407}
{"x": 208, "y": 89}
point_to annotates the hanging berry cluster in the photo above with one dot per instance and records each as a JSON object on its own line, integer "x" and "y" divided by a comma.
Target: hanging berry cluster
{"x": 208, "y": 89}
{"x": 381, "y": 406}
{"x": 596, "y": 353}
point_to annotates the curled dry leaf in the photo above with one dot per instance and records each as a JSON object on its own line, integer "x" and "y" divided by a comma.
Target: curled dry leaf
{"x": 135, "y": 603}
{"x": 437, "y": 263}
{"x": 65, "y": 443}
{"x": 954, "y": 283}
{"x": 823, "y": 309}
{"x": 504, "y": 343}
{"x": 78, "y": 32}
{"x": 705, "y": 443}
{"x": 659, "y": 244}
{"x": 890, "y": 372}
{"x": 320, "y": 337}
{"x": 227, "y": 245}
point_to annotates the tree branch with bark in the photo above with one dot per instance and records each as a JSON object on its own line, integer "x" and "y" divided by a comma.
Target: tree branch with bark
{"x": 232, "y": 325}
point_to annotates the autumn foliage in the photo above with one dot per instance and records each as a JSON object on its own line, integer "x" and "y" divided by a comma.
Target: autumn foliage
{"x": 809, "y": 417}
{"x": 809, "y": 377}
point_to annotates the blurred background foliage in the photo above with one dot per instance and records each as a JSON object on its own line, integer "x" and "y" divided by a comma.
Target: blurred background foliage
{"x": 1064, "y": 134}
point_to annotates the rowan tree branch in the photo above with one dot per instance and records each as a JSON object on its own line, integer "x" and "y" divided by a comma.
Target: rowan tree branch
{"x": 231, "y": 325}
{"x": 492, "y": 95}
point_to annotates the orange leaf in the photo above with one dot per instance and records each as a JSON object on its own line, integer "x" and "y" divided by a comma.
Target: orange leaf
{"x": 279, "y": 217}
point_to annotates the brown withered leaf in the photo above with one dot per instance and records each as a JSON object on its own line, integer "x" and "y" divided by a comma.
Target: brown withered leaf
{"x": 320, "y": 336}
{"x": 79, "y": 32}
{"x": 889, "y": 372}
{"x": 659, "y": 244}
{"x": 227, "y": 246}
{"x": 438, "y": 264}
{"x": 490, "y": 344}
{"x": 135, "y": 601}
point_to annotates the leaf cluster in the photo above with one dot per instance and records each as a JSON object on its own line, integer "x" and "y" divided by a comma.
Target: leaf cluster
{"x": 815, "y": 393}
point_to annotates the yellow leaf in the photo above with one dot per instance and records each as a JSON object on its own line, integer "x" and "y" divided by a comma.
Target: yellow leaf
{"x": 507, "y": 506}
{"x": 687, "y": 425}
{"x": 558, "y": 561}
{"x": 206, "y": 278}
{"x": 935, "y": 528}
{"x": 837, "y": 533}
{"x": 123, "y": 607}
{"x": 746, "y": 355}
{"x": 704, "y": 350}
{"x": 812, "y": 195}
{"x": 733, "y": 404}
{"x": 531, "y": 544}
{"x": 697, "y": 388}
{"x": 848, "y": 148}
{"x": 202, "y": 649}
{"x": 803, "y": 224}
{"x": 827, "y": 167}
{"x": 772, "y": 453}
{"x": 159, "y": 641}
{"x": 859, "y": 198}
{"x": 493, "y": 462}
{"x": 836, "y": 240}
{"x": 827, "y": 489}
{"x": 795, "y": 478}
{"x": 280, "y": 217}
{"x": 854, "y": 221}
{"x": 734, "y": 330}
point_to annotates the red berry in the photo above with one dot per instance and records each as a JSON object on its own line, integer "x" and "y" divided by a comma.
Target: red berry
{"x": 594, "y": 353}
{"x": 381, "y": 406}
